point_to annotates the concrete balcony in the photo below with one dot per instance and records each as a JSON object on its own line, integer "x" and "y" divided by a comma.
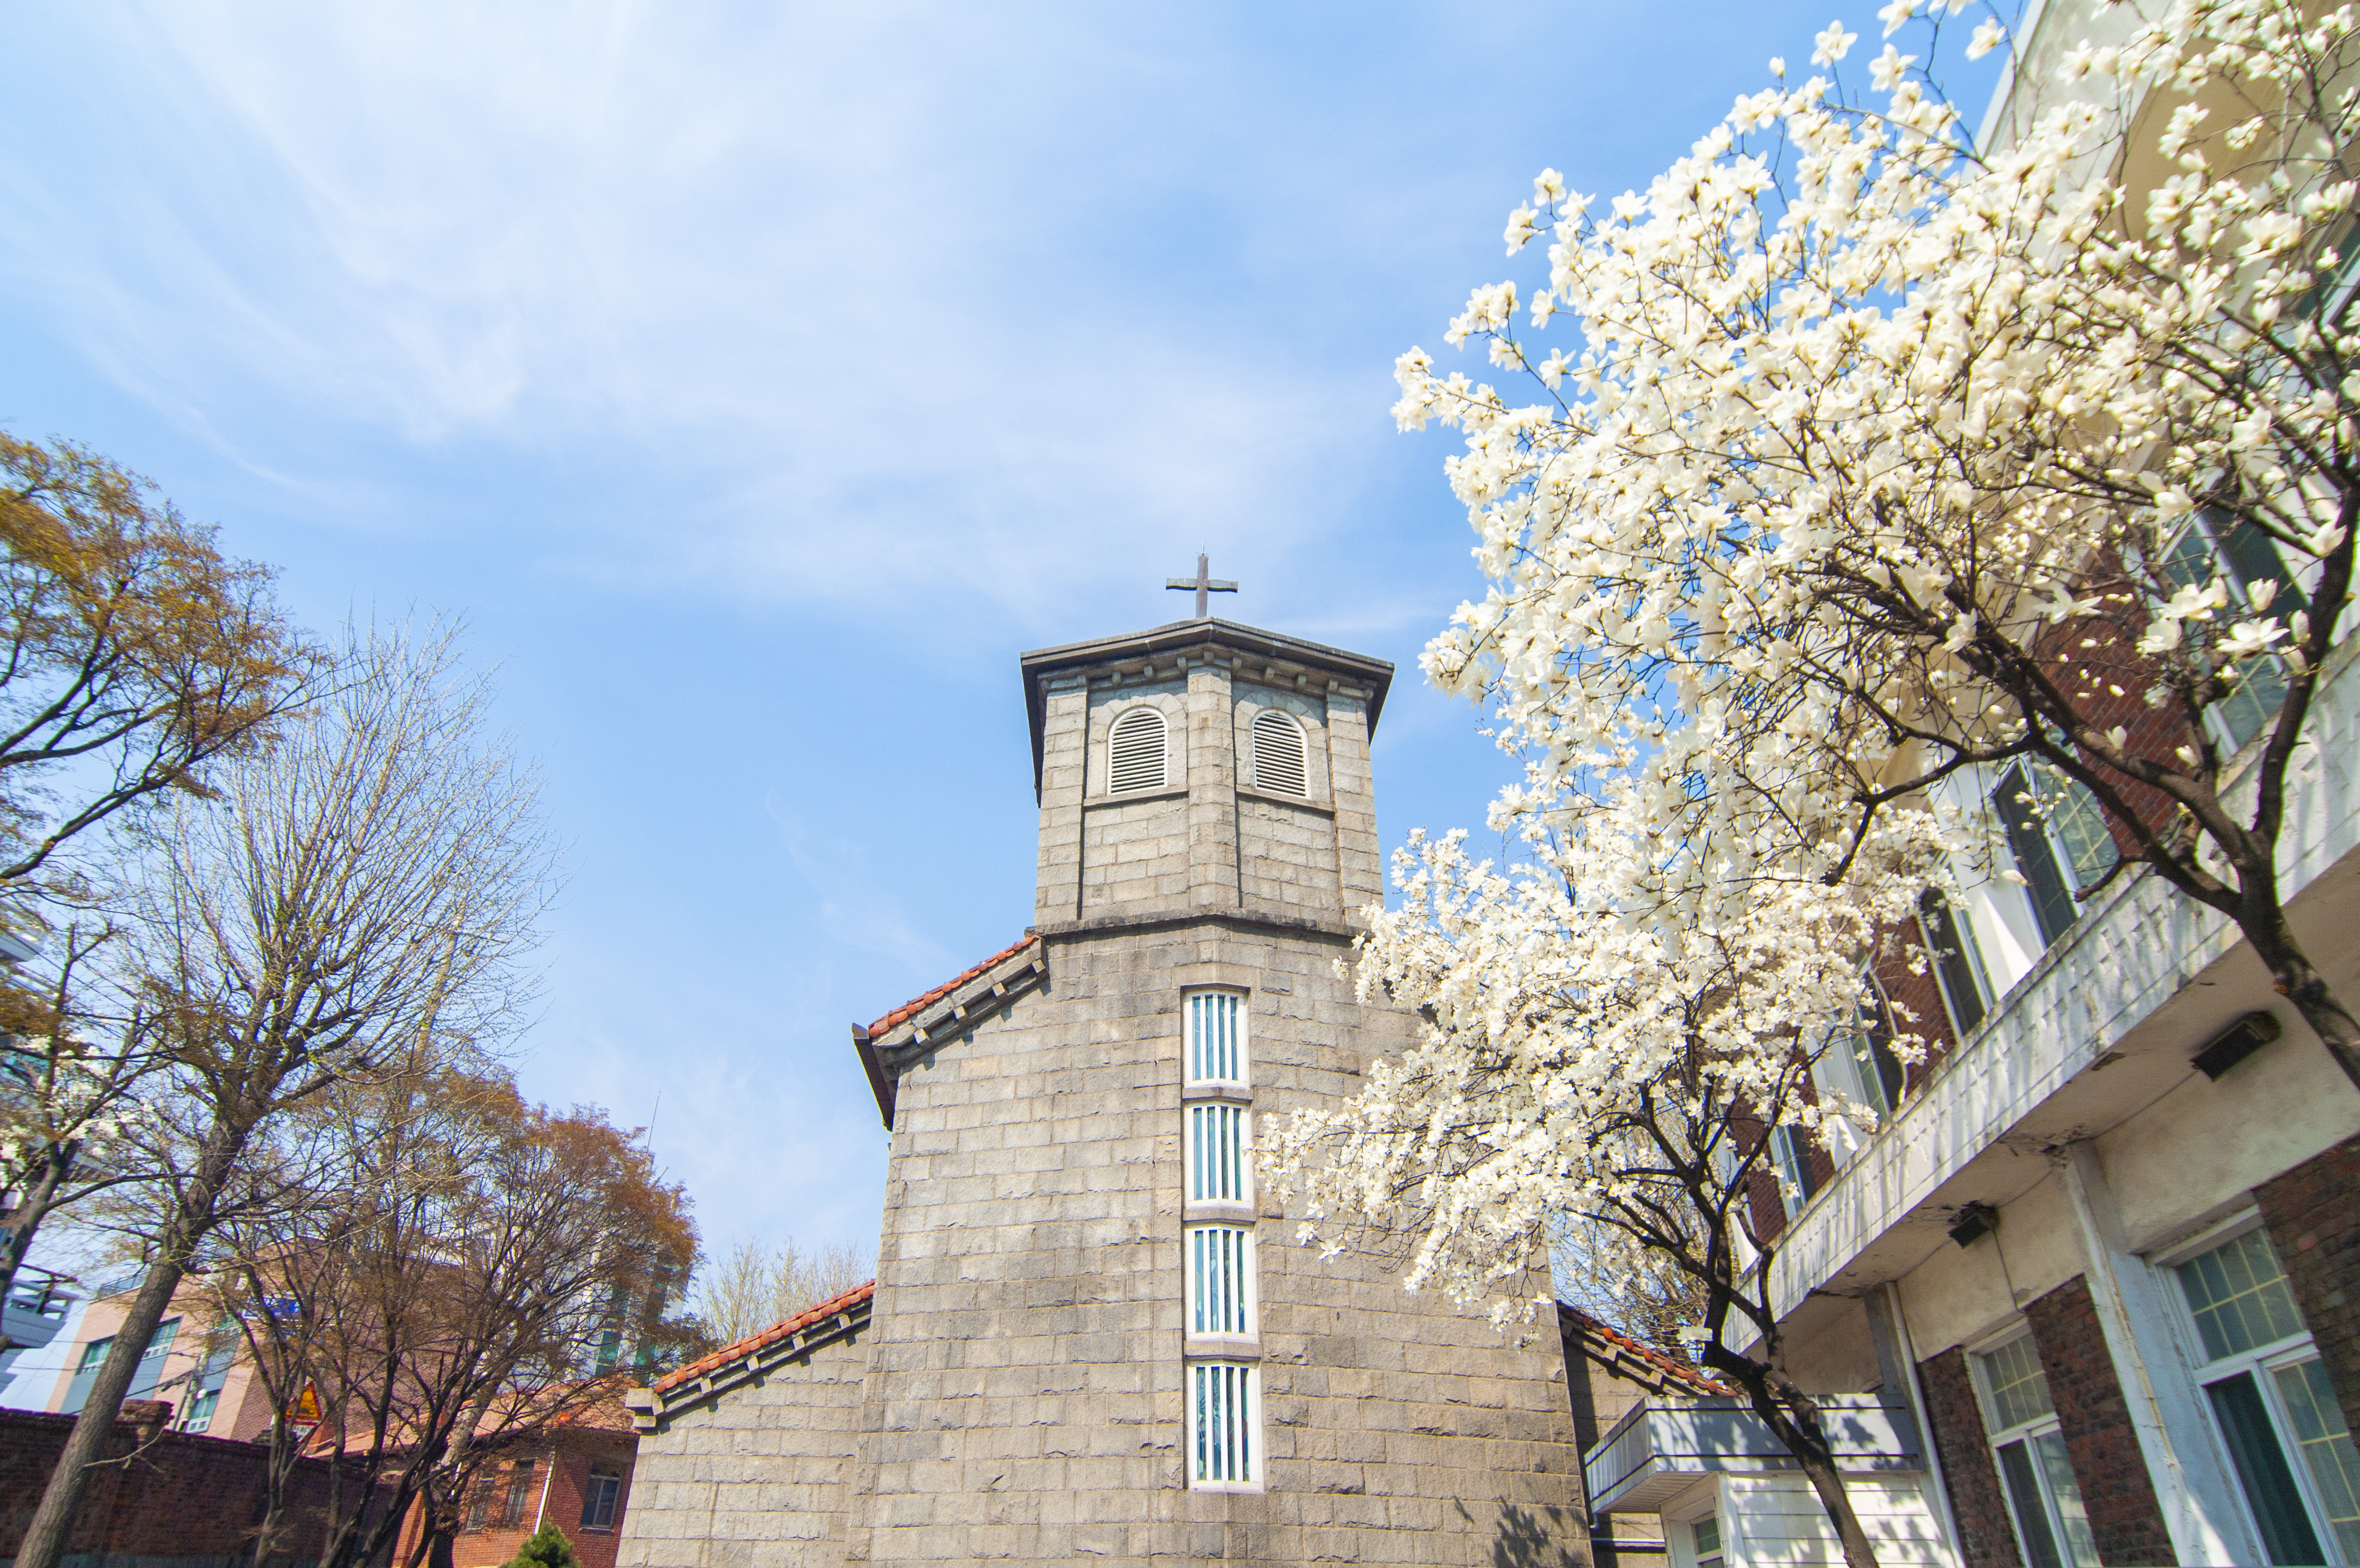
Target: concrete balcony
{"x": 1657, "y": 1452}
{"x": 2100, "y": 1029}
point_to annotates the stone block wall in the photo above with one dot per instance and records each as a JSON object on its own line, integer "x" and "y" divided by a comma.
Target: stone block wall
{"x": 2314, "y": 1215}
{"x": 755, "y": 1476}
{"x": 2095, "y": 1422}
{"x": 1025, "y": 1392}
{"x": 1978, "y": 1502}
{"x": 1288, "y": 853}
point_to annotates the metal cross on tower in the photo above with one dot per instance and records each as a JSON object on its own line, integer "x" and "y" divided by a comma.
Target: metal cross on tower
{"x": 1204, "y": 585}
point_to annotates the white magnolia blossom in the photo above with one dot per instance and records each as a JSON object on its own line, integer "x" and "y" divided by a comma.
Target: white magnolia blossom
{"x": 1865, "y": 458}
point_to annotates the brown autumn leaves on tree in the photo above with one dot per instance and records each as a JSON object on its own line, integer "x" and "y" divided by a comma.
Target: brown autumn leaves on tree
{"x": 133, "y": 656}
{"x": 451, "y": 1271}
{"x": 358, "y": 895}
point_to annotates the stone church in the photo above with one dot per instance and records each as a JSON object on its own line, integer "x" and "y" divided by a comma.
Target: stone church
{"x": 1090, "y": 1337}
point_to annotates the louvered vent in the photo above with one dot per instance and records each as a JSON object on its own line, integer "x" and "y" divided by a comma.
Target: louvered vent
{"x": 1278, "y": 755}
{"x": 1136, "y": 748}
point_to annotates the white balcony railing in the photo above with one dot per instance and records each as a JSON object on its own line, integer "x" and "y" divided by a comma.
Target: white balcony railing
{"x": 2124, "y": 958}
{"x": 1657, "y": 1451}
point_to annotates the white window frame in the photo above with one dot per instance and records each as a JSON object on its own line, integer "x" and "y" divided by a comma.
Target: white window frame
{"x": 1194, "y": 1238}
{"x": 1200, "y": 1455}
{"x": 1198, "y": 1116}
{"x": 2262, "y": 1363}
{"x": 2226, "y": 570}
{"x": 1164, "y": 751}
{"x": 1790, "y": 1155}
{"x": 1190, "y": 1020}
{"x": 2029, "y": 1433}
{"x": 2040, "y": 781}
{"x": 1961, "y": 917}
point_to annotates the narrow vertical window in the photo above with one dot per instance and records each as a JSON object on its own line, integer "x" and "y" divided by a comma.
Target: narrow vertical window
{"x": 519, "y": 1497}
{"x": 2057, "y": 835}
{"x": 1223, "y": 1400}
{"x": 1280, "y": 757}
{"x": 1790, "y": 1152}
{"x": 1217, "y": 1154}
{"x": 598, "y": 1500}
{"x": 1135, "y": 752}
{"x": 2043, "y": 1496}
{"x": 1220, "y": 1280}
{"x": 1958, "y": 963}
{"x": 1215, "y": 1046}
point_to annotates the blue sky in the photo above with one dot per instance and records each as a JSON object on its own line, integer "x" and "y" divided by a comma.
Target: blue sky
{"x": 759, "y": 381}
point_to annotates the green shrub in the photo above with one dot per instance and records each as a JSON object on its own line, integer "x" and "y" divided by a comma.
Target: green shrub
{"x": 547, "y": 1548}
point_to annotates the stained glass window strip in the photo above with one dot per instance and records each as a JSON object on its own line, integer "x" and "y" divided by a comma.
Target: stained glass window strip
{"x": 1217, "y": 1153}
{"x": 1214, "y": 1048}
{"x": 1223, "y": 1397}
{"x": 1220, "y": 1280}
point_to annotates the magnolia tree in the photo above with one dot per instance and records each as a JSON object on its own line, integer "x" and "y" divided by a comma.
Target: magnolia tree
{"x": 1869, "y": 464}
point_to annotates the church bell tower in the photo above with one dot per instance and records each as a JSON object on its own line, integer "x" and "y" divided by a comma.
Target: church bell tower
{"x": 1092, "y": 1335}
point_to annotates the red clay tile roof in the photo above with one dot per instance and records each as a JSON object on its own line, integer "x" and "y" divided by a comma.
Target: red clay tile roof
{"x": 1671, "y": 1368}
{"x": 770, "y": 1336}
{"x": 919, "y": 1003}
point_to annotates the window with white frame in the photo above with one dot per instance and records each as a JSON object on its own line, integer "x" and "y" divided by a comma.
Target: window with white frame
{"x": 1957, "y": 962}
{"x": 603, "y": 1491}
{"x": 1224, "y": 1424}
{"x": 1220, "y": 1265}
{"x": 1135, "y": 752}
{"x": 2247, "y": 563}
{"x": 2051, "y": 1525}
{"x": 1217, "y": 1154}
{"x": 1214, "y": 1043}
{"x": 2271, "y": 1402}
{"x": 1704, "y": 1536}
{"x": 1790, "y": 1154}
{"x": 1218, "y": 1271}
{"x": 2058, "y": 835}
{"x": 1281, "y": 758}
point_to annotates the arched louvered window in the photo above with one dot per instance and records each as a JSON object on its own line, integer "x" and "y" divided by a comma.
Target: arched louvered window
{"x": 1135, "y": 752}
{"x": 1278, "y": 755}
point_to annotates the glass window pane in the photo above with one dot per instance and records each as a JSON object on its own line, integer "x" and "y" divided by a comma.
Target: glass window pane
{"x": 1213, "y": 1020}
{"x": 2269, "y": 1485}
{"x": 2239, "y": 1296}
{"x": 2019, "y": 1389}
{"x": 2031, "y": 1519}
{"x": 2053, "y": 908}
{"x": 1219, "y": 1280}
{"x": 2326, "y": 1448}
{"x": 1957, "y": 962}
{"x": 2080, "y": 1548}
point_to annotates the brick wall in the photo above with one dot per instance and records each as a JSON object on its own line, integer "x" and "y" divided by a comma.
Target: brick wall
{"x": 2095, "y": 1422}
{"x": 2313, "y": 1214}
{"x": 174, "y": 1495}
{"x": 557, "y": 1493}
{"x": 1978, "y": 1503}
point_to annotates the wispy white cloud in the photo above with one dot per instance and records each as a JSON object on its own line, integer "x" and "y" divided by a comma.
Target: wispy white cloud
{"x": 826, "y": 275}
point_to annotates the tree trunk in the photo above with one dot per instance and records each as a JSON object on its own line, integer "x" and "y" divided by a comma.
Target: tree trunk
{"x": 2302, "y": 985}
{"x": 45, "y": 1537}
{"x": 1795, "y": 1421}
{"x": 26, "y": 1218}
{"x": 192, "y": 1214}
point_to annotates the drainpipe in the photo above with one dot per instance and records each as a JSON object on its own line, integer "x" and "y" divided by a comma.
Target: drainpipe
{"x": 547, "y": 1476}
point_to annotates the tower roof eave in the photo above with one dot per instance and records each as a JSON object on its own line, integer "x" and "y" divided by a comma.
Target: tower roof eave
{"x": 1179, "y": 636}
